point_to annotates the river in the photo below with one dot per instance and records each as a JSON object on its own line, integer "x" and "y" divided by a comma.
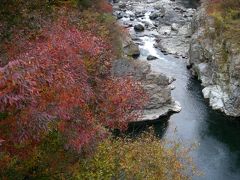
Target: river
{"x": 218, "y": 153}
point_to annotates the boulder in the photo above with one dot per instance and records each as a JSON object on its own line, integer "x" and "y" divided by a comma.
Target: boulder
{"x": 150, "y": 58}
{"x": 132, "y": 50}
{"x": 139, "y": 27}
{"x": 174, "y": 27}
{"x": 119, "y": 16}
{"x": 129, "y": 67}
{"x": 139, "y": 14}
{"x": 154, "y": 15}
{"x": 122, "y": 6}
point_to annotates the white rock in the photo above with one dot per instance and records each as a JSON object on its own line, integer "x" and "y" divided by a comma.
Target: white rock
{"x": 153, "y": 114}
{"x": 215, "y": 96}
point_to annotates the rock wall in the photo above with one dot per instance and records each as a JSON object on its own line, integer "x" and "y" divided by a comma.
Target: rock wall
{"x": 215, "y": 60}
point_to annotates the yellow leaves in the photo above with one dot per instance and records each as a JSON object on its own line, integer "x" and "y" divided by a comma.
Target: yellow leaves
{"x": 90, "y": 65}
{"x": 145, "y": 157}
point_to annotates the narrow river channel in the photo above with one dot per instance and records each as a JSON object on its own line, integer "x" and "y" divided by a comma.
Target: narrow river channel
{"x": 218, "y": 153}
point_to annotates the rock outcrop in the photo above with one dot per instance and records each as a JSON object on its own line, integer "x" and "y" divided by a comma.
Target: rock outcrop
{"x": 216, "y": 61}
{"x": 157, "y": 87}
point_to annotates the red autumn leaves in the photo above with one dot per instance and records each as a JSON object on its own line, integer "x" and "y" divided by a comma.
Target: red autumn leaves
{"x": 62, "y": 81}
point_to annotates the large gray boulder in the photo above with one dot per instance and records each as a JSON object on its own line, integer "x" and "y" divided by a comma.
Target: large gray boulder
{"x": 157, "y": 87}
{"x": 129, "y": 67}
{"x": 150, "y": 58}
{"x": 139, "y": 27}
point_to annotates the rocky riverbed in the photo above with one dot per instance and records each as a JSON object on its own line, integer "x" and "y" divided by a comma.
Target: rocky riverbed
{"x": 167, "y": 24}
{"x": 167, "y": 21}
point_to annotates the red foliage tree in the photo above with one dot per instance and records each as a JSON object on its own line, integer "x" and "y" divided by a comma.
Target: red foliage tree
{"x": 61, "y": 80}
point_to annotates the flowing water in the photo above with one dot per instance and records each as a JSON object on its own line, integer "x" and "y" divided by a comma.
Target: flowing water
{"x": 218, "y": 153}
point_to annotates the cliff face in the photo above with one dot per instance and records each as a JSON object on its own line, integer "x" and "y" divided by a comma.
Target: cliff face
{"x": 215, "y": 60}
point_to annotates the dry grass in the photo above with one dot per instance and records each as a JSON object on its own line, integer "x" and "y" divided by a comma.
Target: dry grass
{"x": 227, "y": 18}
